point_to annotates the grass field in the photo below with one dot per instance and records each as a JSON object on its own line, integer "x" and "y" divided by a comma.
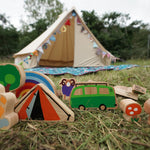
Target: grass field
{"x": 92, "y": 130}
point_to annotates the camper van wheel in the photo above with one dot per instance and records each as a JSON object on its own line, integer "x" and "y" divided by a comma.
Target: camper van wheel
{"x": 102, "y": 107}
{"x": 81, "y": 107}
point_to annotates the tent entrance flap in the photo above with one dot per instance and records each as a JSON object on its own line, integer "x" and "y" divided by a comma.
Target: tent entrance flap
{"x": 61, "y": 50}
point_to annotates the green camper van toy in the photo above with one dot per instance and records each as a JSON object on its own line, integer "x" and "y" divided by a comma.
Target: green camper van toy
{"x": 93, "y": 96}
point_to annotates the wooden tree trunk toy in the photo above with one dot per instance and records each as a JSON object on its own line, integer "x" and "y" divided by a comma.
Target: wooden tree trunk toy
{"x": 8, "y": 117}
{"x": 138, "y": 89}
{"x": 33, "y": 78}
{"x": 125, "y": 92}
{"x": 130, "y": 92}
{"x": 67, "y": 86}
{"x": 42, "y": 104}
{"x": 147, "y": 109}
{"x": 11, "y": 76}
{"x": 131, "y": 110}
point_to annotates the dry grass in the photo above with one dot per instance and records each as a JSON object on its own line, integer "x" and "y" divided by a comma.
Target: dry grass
{"x": 94, "y": 130}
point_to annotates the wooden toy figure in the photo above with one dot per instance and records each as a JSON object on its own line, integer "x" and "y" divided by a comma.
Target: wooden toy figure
{"x": 131, "y": 110}
{"x": 8, "y": 117}
{"x": 67, "y": 86}
{"x": 147, "y": 109}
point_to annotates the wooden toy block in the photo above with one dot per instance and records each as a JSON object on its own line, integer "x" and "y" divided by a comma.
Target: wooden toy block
{"x": 40, "y": 103}
{"x": 67, "y": 86}
{"x": 93, "y": 95}
{"x": 131, "y": 110}
{"x": 11, "y": 76}
{"x": 2, "y": 89}
{"x": 33, "y": 78}
{"x": 126, "y": 92}
{"x": 8, "y": 117}
{"x": 147, "y": 109}
{"x": 138, "y": 89}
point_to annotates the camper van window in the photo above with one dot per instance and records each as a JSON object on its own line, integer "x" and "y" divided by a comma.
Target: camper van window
{"x": 103, "y": 91}
{"x": 90, "y": 90}
{"x": 78, "y": 92}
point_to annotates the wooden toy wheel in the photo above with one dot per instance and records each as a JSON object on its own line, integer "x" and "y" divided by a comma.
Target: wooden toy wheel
{"x": 102, "y": 107}
{"x": 82, "y": 107}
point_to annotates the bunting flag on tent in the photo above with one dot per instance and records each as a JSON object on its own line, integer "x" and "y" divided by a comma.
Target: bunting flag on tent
{"x": 52, "y": 38}
{"x": 95, "y": 45}
{"x": 68, "y": 23}
{"x": 74, "y": 13}
{"x": 42, "y": 104}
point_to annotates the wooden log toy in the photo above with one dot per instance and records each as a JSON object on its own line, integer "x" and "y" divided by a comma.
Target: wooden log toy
{"x": 125, "y": 92}
{"x": 138, "y": 89}
{"x": 93, "y": 95}
{"x": 147, "y": 109}
{"x": 67, "y": 86}
{"x": 33, "y": 78}
{"x": 40, "y": 103}
{"x": 130, "y": 92}
{"x": 11, "y": 76}
{"x": 8, "y": 117}
{"x": 131, "y": 110}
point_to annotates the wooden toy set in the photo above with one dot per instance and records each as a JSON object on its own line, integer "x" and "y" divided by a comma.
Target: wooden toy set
{"x": 33, "y": 96}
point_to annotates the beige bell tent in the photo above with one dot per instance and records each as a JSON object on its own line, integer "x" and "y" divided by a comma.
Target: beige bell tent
{"x": 67, "y": 42}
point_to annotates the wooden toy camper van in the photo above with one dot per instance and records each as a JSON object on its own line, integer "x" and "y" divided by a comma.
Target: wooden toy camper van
{"x": 93, "y": 95}
{"x": 147, "y": 109}
{"x": 130, "y": 92}
{"x": 8, "y": 117}
{"x": 131, "y": 110}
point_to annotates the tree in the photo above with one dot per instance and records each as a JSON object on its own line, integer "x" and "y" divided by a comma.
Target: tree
{"x": 9, "y": 36}
{"x": 43, "y": 9}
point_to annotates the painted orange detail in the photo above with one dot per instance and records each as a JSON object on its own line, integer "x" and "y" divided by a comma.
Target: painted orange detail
{"x": 49, "y": 112}
{"x": 133, "y": 109}
{"x": 1, "y": 111}
{"x": 22, "y": 113}
{"x": 3, "y": 100}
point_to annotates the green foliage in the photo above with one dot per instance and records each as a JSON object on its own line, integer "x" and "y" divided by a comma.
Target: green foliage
{"x": 43, "y": 9}
{"x": 9, "y": 37}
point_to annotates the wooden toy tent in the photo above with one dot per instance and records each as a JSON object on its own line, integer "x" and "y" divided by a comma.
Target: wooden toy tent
{"x": 42, "y": 104}
{"x": 67, "y": 42}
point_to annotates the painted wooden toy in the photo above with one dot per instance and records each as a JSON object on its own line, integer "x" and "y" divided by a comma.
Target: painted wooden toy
{"x": 93, "y": 95}
{"x": 8, "y": 117}
{"x": 130, "y": 92}
{"x": 147, "y": 109}
{"x": 11, "y": 76}
{"x": 67, "y": 86}
{"x": 40, "y": 103}
{"x": 131, "y": 110}
{"x": 33, "y": 78}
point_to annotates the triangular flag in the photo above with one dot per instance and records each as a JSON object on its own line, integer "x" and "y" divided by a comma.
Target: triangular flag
{"x": 52, "y": 38}
{"x": 78, "y": 21}
{"x": 48, "y": 42}
{"x": 45, "y": 46}
{"x": 82, "y": 29}
{"x": 68, "y": 23}
{"x": 40, "y": 49}
{"x": 74, "y": 13}
{"x": 95, "y": 45}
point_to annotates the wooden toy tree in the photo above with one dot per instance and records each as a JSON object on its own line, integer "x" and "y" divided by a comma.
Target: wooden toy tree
{"x": 11, "y": 76}
{"x": 131, "y": 110}
{"x": 147, "y": 109}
